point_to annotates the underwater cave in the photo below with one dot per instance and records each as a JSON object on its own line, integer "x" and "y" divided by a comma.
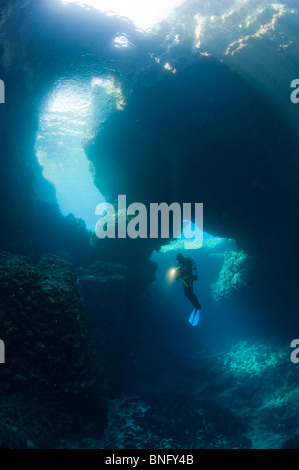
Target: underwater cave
{"x": 163, "y": 102}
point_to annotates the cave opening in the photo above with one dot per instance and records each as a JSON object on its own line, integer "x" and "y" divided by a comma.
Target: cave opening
{"x": 143, "y": 14}
{"x": 71, "y": 112}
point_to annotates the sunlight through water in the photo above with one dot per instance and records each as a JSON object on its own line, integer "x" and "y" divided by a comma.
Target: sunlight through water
{"x": 143, "y": 13}
{"x": 64, "y": 122}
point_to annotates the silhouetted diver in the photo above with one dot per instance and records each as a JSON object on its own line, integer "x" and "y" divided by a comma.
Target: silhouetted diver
{"x": 186, "y": 270}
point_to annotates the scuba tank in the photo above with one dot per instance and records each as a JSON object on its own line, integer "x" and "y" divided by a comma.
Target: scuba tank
{"x": 193, "y": 269}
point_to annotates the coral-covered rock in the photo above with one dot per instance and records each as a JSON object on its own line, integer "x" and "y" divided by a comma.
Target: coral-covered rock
{"x": 233, "y": 275}
{"x": 43, "y": 327}
{"x": 172, "y": 421}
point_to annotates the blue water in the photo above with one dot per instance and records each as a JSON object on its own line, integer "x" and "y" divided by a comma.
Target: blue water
{"x": 173, "y": 101}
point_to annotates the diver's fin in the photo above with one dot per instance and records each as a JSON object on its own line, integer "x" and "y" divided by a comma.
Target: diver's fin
{"x": 196, "y": 318}
{"x": 191, "y": 319}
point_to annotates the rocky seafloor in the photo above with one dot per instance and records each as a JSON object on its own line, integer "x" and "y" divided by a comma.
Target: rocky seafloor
{"x": 66, "y": 337}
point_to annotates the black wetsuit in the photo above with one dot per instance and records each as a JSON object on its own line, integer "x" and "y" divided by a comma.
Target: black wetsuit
{"x": 184, "y": 270}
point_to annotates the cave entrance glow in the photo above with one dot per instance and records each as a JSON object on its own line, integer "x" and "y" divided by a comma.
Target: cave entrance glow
{"x": 64, "y": 121}
{"x": 143, "y": 13}
{"x": 184, "y": 243}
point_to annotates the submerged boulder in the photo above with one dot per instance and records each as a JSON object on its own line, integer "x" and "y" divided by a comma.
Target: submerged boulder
{"x": 172, "y": 421}
{"x": 43, "y": 327}
{"x": 232, "y": 277}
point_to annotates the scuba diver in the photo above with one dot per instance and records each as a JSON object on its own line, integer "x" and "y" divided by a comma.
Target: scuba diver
{"x": 186, "y": 270}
